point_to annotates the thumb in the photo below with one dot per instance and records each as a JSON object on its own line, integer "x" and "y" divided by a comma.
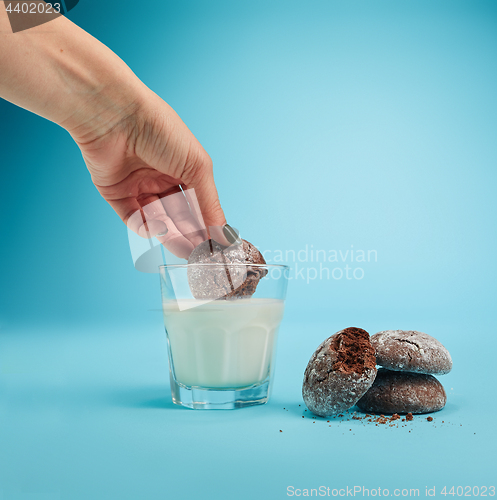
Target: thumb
{"x": 208, "y": 203}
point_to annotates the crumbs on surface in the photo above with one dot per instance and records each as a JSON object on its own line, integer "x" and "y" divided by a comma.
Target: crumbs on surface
{"x": 394, "y": 420}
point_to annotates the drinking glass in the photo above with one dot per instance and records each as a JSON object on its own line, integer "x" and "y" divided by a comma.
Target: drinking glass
{"x": 221, "y": 352}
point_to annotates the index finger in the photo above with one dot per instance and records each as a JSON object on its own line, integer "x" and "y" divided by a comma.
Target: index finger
{"x": 186, "y": 216}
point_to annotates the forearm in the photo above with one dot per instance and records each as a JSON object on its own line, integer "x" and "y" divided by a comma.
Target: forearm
{"x": 62, "y": 73}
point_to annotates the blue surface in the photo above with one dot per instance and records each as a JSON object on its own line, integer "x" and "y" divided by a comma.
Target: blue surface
{"x": 339, "y": 126}
{"x": 86, "y": 413}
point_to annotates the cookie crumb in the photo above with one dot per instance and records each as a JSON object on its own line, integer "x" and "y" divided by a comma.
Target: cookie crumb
{"x": 430, "y": 419}
{"x": 409, "y": 417}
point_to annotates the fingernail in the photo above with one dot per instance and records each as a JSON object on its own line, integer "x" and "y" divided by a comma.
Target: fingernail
{"x": 231, "y": 234}
{"x": 163, "y": 233}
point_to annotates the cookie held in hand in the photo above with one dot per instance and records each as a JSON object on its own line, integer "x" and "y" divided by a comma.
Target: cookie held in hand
{"x": 223, "y": 271}
{"x": 339, "y": 373}
{"x": 411, "y": 351}
{"x": 403, "y": 392}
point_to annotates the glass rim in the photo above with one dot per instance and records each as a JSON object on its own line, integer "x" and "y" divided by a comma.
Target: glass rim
{"x": 228, "y": 264}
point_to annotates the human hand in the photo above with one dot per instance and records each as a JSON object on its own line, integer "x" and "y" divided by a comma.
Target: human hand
{"x": 137, "y": 149}
{"x": 148, "y": 155}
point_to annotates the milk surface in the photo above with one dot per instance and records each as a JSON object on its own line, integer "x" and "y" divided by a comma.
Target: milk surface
{"x": 223, "y": 344}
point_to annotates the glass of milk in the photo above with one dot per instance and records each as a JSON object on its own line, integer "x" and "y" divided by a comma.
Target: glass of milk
{"x": 221, "y": 352}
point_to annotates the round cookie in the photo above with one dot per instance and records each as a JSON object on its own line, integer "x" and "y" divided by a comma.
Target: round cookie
{"x": 411, "y": 351}
{"x": 219, "y": 276}
{"x": 403, "y": 392}
{"x": 340, "y": 371}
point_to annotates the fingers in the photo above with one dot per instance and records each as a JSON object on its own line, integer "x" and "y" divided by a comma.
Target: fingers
{"x": 226, "y": 235}
{"x": 208, "y": 199}
{"x": 184, "y": 209}
{"x": 174, "y": 240}
{"x": 152, "y": 215}
{"x": 185, "y": 217}
{"x": 157, "y": 218}
{"x": 204, "y": 190}
{"x": 151, "y": 220}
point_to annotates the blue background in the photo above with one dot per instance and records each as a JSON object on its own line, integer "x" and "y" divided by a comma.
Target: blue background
{"x": 332, "y": 124}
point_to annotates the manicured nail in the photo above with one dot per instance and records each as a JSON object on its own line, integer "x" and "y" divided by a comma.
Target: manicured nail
{"x": 163, "y": 233}
{"x": 231, "y": 234}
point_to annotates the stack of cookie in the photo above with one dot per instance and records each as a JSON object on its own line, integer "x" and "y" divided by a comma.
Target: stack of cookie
{"x": 339, "y": 372}
{"x": 405, "y": 381}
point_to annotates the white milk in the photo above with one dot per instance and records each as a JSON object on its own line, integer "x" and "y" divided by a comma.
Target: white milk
{"x": 224, "y": 343}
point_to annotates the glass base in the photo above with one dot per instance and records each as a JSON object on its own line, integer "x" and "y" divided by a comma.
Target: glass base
{"x": 219, "y": 399}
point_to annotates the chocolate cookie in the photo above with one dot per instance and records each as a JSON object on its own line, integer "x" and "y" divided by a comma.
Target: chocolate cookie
{"x": 222, "y": 271}
{"x": 403, "y": 392}
{"x": 340, "y": 371}
{"x": 410, "y": 351}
